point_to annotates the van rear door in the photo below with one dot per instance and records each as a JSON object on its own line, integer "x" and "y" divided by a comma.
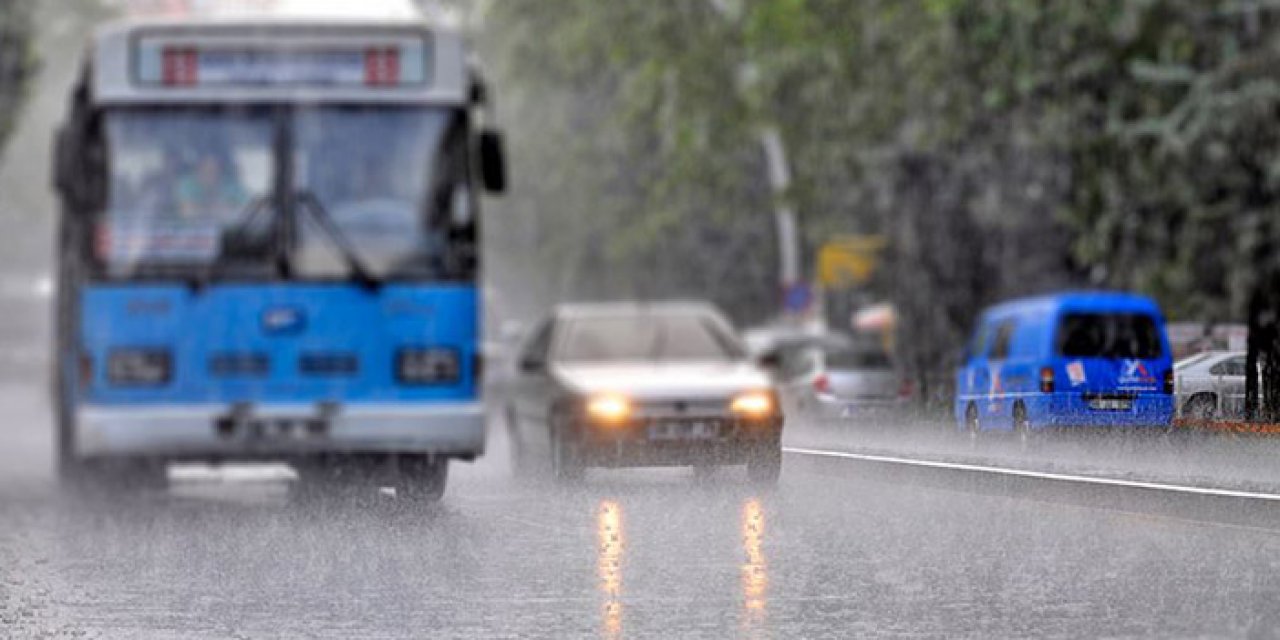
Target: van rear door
{"x": 1111, "y": 355}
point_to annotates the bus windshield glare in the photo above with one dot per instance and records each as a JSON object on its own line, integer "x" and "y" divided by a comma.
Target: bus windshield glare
{"x": 185, "y": 182}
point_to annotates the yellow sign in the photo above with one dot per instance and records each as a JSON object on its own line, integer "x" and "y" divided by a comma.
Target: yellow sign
{"x": 849, "y": 260}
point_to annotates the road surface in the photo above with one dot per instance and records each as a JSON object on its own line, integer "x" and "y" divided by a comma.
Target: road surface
{"x": 829, "y": 554}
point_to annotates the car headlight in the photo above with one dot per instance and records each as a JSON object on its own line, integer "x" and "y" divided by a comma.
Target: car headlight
{"x": 753, "y": 404}
{"x": 139, "y": 367}
{"x": 609, "y": 408}
{"x": 428, "y": 366}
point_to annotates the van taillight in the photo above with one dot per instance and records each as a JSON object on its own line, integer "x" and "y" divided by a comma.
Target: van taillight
{"x": 1168, "y": 382}
{"x": 1046, "y": 380}
{"x": 822, "y": 384}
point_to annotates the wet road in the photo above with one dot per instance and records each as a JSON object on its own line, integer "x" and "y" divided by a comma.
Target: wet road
{"x": 634, "y": 554}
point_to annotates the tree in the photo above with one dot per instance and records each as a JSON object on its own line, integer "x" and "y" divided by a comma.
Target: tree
{"x": 17, "y": 61}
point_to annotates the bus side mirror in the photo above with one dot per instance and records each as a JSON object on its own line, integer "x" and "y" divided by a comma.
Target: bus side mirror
{"x": 63, "y": 164}
{"x": 493, "y": 162}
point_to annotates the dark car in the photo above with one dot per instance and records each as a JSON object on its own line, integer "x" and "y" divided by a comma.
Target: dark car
{"x": 620, "y": 385}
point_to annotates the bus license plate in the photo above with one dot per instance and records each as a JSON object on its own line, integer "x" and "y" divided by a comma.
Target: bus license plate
{"x": 1111, "y": 404}
{"x": 682, "y": 431}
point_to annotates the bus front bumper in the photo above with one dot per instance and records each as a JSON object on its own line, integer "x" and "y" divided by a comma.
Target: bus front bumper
{"x": 221, "y": 431}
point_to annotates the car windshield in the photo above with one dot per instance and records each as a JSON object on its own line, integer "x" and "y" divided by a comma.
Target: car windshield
{"x": 646, "y": 337}
{"x": 1109, "y": 335}
{"x": 858, "y": 359}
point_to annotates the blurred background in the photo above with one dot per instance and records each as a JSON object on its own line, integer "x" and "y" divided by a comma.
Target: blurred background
{"x": 807, "y": 159}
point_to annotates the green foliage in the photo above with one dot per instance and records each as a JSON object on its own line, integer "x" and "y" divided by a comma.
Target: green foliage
{"x": 17, "y": 61}
{"x": 1005, "y": 146}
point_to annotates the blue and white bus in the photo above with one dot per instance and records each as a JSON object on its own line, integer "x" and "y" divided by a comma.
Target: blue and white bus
{"x": 268, "y": 250}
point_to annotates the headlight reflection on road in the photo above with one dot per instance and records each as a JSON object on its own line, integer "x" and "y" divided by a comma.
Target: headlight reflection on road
{"x": 609, "y": 565}
{"x": 755, "y": 572}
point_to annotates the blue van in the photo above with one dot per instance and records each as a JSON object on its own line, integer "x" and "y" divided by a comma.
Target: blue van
{"x": 1067, "y": 360}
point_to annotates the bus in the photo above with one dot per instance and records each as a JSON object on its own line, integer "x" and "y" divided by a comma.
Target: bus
{"x": 268, "y": 250}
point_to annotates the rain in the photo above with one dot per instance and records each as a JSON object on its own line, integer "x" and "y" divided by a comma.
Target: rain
{"x": 709, "y": 319}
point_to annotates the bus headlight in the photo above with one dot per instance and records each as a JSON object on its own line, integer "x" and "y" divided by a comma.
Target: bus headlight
{"x": 753, "y": 404}
{"x": 609, "y": 408}
{"x": 428, "y": 366}
{"x": 140, "y": 367}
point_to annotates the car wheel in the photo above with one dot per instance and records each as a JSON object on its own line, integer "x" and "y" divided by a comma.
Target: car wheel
{"x": 1200, "y": 407}
{"x": 765, "y": 465}
{"x": 516, "y": 448}
{"x": 566, "y": 458}
{"x": 972, "y": 427}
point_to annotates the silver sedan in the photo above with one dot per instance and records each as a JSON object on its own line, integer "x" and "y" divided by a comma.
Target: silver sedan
{"x": 619, "y": 385}
{"x": 1211, "y": 385}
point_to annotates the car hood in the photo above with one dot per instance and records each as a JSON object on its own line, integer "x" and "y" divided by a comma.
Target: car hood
{"x": 662, "y": 379}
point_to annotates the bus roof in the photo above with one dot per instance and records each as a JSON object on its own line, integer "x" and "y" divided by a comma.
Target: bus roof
{"x": 240, "y": 58}
{"x": 304, "y": 9}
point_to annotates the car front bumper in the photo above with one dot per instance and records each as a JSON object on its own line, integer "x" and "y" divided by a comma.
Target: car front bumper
{"x": 221, "y": 431}
{"x": 736, "y": 442}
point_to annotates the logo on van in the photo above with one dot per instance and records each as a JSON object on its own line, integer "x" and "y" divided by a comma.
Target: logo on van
{"x": 1135, "y": 371}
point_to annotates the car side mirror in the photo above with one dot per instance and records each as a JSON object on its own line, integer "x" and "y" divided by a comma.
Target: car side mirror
{"x": 493, "y": 161}
{"x": 771, "y": 361}
{"x": 67, "y": 176}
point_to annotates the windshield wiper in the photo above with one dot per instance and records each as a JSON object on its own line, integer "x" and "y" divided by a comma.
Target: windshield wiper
{"x": 359, "y": 272}
{"x": 232, "y": 238}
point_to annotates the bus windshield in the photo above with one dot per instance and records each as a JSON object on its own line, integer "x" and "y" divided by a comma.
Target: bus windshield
{"x": 192, "y": 188}
{"x": 178, "y": 180}
{"x": 391, "y": 180}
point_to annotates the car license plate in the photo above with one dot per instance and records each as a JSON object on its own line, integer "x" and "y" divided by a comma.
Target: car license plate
{"x": 1111, "y": 404}
{"x": 682, "y": 431}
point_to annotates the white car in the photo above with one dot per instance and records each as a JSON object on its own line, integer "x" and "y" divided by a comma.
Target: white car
{"x": 1210, "y": 385}
{"x": 652, "y": 384}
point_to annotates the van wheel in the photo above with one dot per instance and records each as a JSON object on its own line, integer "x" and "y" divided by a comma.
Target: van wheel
{"x": 1022, "y": 426}
{"x": 971, "y": 425}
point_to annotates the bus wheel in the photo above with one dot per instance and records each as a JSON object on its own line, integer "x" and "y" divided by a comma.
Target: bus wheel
{"x": 1022, "y": 426}
{"x": 422, "y": 479}
{"x": 971, "y": 425}
{"x": 122, "y": 475}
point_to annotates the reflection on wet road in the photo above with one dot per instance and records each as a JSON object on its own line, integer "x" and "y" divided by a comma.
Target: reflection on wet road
{"x": 647, "y": 554}
{"x": 755, "y": 573}
{"x": 610, "y": 526}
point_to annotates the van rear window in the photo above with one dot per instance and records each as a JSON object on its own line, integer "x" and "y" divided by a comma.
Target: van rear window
{"x": 1109, "y": 335}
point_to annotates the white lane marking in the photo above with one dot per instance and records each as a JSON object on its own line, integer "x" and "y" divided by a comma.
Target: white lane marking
{"x": 1022, "y": 473}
